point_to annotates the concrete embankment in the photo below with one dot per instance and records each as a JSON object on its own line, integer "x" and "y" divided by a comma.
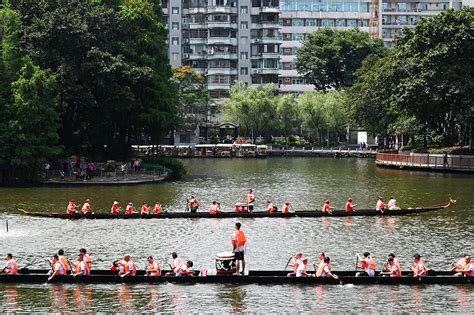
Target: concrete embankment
{"x": 313, "y": 152}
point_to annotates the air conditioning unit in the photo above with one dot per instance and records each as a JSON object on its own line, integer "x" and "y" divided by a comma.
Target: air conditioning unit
{"x": 210, "y": 52}
{"x": 257, "y": 40}
{"x": 186, "y": 56}
{"x": 256, "y": 71}
{"x": 185, "y": 40}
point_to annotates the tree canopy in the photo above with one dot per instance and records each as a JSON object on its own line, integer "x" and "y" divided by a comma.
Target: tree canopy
{"x": 329, "y": 58}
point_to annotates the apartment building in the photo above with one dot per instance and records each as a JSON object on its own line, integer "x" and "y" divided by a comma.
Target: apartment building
{"x": 225, "y": 40}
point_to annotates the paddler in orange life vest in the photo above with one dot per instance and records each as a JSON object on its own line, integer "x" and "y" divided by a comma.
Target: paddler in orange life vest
{"x": 271, "y": 207}
{"x": 286, "y": 207}
{"x": 80, "y": 267}
{"x": 419, "y": 268}
{"x": 129, "y": 268}
{"x": 185, "y": 269}
{"x": 11, "y": 267}
{"x": 396, "y": 261}
{"x": 63, "y": 260}
{"x": 193, "y": 204}
{"x": 86, "y": 207}
{"x": 468, "y": 269}
{"x": 239, "y": 242}
{"x": 368, "y": 265}
{"x": 213, "y": 208}
{"x": 460, "y": 264}
{"x": 157, "y": 208}
{"x": 296, "y": 262}
{"x": 145, "y": 208}
{"x": 86, "y": 257}
{"x": 175, "y": 262}
{"x": 349, "y": 206}
{"x": 392, "y": 268}
{"x": 71, "y": 207}
{"x": 327, "y": 207}
{"x": 115, "y": 208}
{"x": 326, "y": 269}
{"x": 57, "y": 266}
{"x": 129, "y": 209}
{"x": 380, "y": 206}
{"x": 153, "y": 269}
{"x": 250, "y": 199}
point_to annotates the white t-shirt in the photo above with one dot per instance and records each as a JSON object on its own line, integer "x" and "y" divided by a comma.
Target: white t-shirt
{"x": 369, "y": 271}
{"x": 9, "y": 264}
{"x": 325, "y": 271}
{"x": 301, "y": 270}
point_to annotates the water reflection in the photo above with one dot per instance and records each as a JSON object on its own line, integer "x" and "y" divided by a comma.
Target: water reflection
{"x": 234, "y": 295}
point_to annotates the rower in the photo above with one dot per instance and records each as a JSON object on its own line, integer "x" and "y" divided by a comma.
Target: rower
{"x": 349, "y": 206}
{"x": 71, "y": 207}
{"x": 185, "y": 269}
{"x": 419, "y": 268}
{"x": 115, "y": 208}
{"x": 271, "y": 207}
{"x": 250, "y": 199}
{"x": 392, "y": 204}
{"x": 81, "y": 267}
{"x": 396, "y": 261}
{"x": 129, "y": 209}
{"x": 327, "y": 207}
{"x": 145, "y": 208}
{"x": 368, "y": 265}
{"x": 326, "y": 270}
{"x": 153, "y": 269}
{"x": 87, "y": 258}
{"x": 176, "y": 262}
{"x": 319, "y": 269}
{"x": 129, "y": 268}
{"x": 239, "y": 243}
{"x": 57, "y": 266}
{"x": 11, "y": 267}
{"x": 193, "y": 204}
{"x": 460, "y": 264}
{"x": 157, "y": 208}
{"x": 392, "y": 268}
{"x": 468, "y": 270}
{"x": 302, "y": 270}
{"x": 213, "y": 208}
{"x": 219, "y": 208}
{"x": 63, "y": 260}
{"x": 86, "y": 207}
{"x": 296, "y": 262}
{"x": 380, "y": 206}
{"x": 286, "y": 207}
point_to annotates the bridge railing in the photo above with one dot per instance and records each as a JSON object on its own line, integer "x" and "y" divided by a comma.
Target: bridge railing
{"x": 437, "y": 161}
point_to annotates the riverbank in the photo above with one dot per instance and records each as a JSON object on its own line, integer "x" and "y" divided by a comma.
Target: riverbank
{"x": 117, "y": 180}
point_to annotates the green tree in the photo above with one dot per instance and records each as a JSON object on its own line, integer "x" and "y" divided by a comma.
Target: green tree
{"x": 287, "y": 114}
{"x": 311, "y": 109}
{"x": 329, "y": 58}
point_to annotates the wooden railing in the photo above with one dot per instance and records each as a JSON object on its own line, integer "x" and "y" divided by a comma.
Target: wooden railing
{"x": 433, "y": 161}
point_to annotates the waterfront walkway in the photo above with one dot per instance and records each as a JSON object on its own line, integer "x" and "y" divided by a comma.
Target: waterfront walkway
{"x": 108, "y": 180}
{"x": 332, "y": 152}
{"x": 427, "y": 162}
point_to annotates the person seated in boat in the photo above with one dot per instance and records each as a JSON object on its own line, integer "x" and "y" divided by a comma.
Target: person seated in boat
{"x": 130, "y": 209}
{"x": 80, "y": 267}
{"x": 130, "y": 269}
{"x": 71, "y": 207}
{"x": 193, "y": 204}
{"x": 349, "y": 205}
{"x": 460, "y": 264}
{"x": 157, "y": 208}
{"x": 296, "y": 262}
{"x": 57, "y": 268}
{"x": 145, "y": 208}
{"x": 115, "y": 208}
{"x": 86, "y": 207}
{"x": 326, "y": 269}
{"x": 11, "y": 267}
{"x": 271, "y": 207}
{"x": 250, "y": 200}
{"x": 392, "y": 204}
{"x": 219, "y": 208}
{"x": 468, "y": 269}
{"x": 302, "y": 270}
{"x": 396, "y": 261}
{"x": 319, "y": 267}
{"x": 185, "y": 269}
{"x": 419, "y": 268}
{"x": 286, "y": 207}
{"x": 153, "y": 269}
{"x": 63, "y": 260}
{"x": 368, "y": 265}
{"x": 115, "y": 265}
{"x": 392, "y": 269}
{"x": 380, "y": 206}
{"x": 174, "y": 262}
{"x": 213, "y": 208}
{"x": 327, "y": 206}
{"x": 86, "y": 257}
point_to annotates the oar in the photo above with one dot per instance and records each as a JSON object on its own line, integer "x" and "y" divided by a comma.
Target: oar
{"x": 288, "y": 262}
{"x": 357, "y": 262}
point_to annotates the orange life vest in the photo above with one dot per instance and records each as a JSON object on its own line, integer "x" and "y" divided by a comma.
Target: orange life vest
{"x": 371, "y": 264}
{"x": 115, "y": 209}
{"x": 71, "y": 208}
{"x": 394, "y": 272}
{"x": 468, "y": 269}
{"x": 154, "y": 269}
{"x": 87, "y": 260}
{"x": 145, "y": 209}
{"x": 129, "y": 209}
{"x": 250, "y": 198}
{"x": 213, "y": 209}
{"x": 86, "y": 208}
{"x": 380, "y": 205}
{"x": 240, "y": 239}
{"x": 133, "y": 270}
{"x": 460, "y": 264}
{"x": 87, "y": 272}
{"x": 349, "y": 207}
{"x": 58, "y": 268}
{"x": 286, "y": 208}
{"x": 178, "y": 264}
{"x": 323, "y": 272}
{"x": 64, "y": 263}
{"x": 419, "y": 268}
{"x": 14, "y": 269}
{"x": 157, "y": 209}
{"x": 271, "y": 207}
{"x": 326, "y": 208}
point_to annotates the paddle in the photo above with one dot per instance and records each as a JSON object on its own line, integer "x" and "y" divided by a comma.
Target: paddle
{"x": 288, "y": 262}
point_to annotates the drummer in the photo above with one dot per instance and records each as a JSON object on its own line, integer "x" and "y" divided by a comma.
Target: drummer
{"x": 239, "y": 243}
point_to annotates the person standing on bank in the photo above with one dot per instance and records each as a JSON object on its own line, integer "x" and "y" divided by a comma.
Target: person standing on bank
{"x": 239, "y": 243}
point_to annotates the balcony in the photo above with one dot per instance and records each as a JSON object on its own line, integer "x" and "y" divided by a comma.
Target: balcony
{"x": 219, "y": 55}
{"x": 228, "y": 71}
{"x": 197, "y": 55}
{"x": 295, "y": 87}
{"x": 266, "y": 25}
{"x": 258, "y": 10}
{"x": 222, "y": 41}
{"x": 221, "y": 25}
{"x": 195, "y": 11}
{"x": 221, "y": 9}
{"x": 196, "y": 41}
{"x": 218, "y": 86}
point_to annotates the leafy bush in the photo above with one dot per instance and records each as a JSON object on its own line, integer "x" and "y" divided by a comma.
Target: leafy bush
{"x": 175, "y": 167}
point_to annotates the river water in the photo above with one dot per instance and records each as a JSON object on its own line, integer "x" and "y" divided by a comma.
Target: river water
{"x": 438, "y": 236}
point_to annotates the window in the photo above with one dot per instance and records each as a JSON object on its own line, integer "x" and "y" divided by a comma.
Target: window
{"x": 270, "y": 63}
{"x": 298, "y": 22}
{"x": 287, "y": 22}
{"x": 327, "y": 23}
{"x": 244, "y": 55}
{"x": 287, "y": 66}
{"x": 244, "y": 9}
{"x": 341, "y": 22}
{"x": 175, "y": 26}
{"x": 287, "y": 51}
{"x": 287, "y": 36}
{"x": 244, "y": 25}
{"x": 175, "y": 41}
{"x": 298, "y": 81}
{"x": 298, "y": 36}
{"x": 244, "y": 71}
{"x": 286, "y": 80}
{"x": 351, "y": 23}
{"x": 311, "y": 22}
{"x": 219, "y": 2}
{"x": 364, "y": 23}
{"x": 256, "y": 64}
{"x": 175, "y": 56}
{"x": 175, "y": 10}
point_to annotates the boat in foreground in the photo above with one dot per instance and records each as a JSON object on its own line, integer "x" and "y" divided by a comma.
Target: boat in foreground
{"x": 254, "y": 214}
{"x": 253, "y": 277}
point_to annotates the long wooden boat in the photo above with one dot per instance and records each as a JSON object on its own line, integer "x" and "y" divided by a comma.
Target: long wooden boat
{"x": 254, "y": 214}
{"x": 253, "y": 277}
